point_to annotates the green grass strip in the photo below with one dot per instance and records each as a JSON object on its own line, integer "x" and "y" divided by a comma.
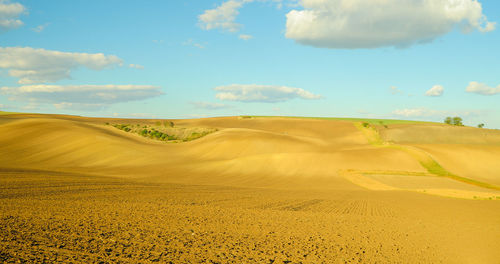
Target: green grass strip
{"x": 372, "y": 121}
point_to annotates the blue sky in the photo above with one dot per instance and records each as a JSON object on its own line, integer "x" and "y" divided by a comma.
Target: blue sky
{"x": 187, "y": 59}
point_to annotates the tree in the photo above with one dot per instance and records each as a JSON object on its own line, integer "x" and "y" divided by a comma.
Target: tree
{"x": 480, "y": 125}
{"x": 448, "y": 120}
{"x": 457, "y": 121}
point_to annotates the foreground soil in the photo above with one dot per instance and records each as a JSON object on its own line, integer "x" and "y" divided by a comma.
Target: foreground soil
{"x": 73, "y": 190}
{"x": 56, "y": 217}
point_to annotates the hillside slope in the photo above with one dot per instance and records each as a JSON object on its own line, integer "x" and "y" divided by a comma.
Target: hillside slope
{"x": 256, "y": 190}
{"x": 263, "y": 152}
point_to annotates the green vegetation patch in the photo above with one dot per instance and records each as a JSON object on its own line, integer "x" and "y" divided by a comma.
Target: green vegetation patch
{"x": 425, "y": 160}
{"x": 165, "y": 131}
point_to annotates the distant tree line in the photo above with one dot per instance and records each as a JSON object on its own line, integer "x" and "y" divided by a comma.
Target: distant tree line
{"x": 457, "y": 121}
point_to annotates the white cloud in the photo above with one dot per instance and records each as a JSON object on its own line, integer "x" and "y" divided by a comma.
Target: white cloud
{"x": 395, "y": 90}
{"x": 261, "y": 93}
{"x": 429, "y": 113}
{"x": 245, "y": 37}
{"x": 40, "y": 66}
{"x": 210, "y": 106}
{"x": 9, "y": 15}
{"x": 416, "y": 112}
{"x": 436, "y": 90}
{"x": 191, "y": 42}
{"x": 79, "y": 106}
{"x": 81, "y": 96}
{"x": 31, "y": 106}
{"x": 481, "y": 88}
{"x": 40, "y": 28}
{"x": 136, "y": 66}
{"x": 354, "y": 24}
{"x": 198, "y": 45}
{"x": 141, "y": 115}
{"x": 223, "y": 16}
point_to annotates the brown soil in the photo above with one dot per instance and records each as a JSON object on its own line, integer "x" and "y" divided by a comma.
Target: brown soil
{"x": 259, "y": 190}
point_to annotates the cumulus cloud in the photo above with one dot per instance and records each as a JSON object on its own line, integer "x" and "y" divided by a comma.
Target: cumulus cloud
{"x": 9, "y": 15}
{"x": 40, "y": 66}
{"x": 245, "y": 37}
{"x": 481, "y": 88}
{"x": 222, "y": 17}
{"x": 436, "y": 90}
{"x": 354, "y": 24}
{"x": 81, "y": 96}
{"x": 210, "y": 106}
{"x": 261, "y": 93}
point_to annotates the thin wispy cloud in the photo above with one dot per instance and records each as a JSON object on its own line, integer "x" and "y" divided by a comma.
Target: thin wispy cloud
{"x": 136, "y": 66}
{"x": 81, "y": 96}
{"x": 191, "y": 42}
{"x": 262, "y": 93}
{"x": 423, "y": 112}
{"x": 210, "y": 106}
{"x": 40, "y": 28}
{"x": 395, "y": 90}
{"x": 245, "y": 37}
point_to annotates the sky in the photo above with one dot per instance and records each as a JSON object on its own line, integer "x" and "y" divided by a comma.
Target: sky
{"x": 396, "y": 59}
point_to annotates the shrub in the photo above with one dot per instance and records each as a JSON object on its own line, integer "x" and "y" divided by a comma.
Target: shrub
{"x": 123, "y": 127}
{"x": 365, "y": 124}
{"x": 382, "y": 124}
{"x": 448, "y": 120}
{"x": 480, "y": 125}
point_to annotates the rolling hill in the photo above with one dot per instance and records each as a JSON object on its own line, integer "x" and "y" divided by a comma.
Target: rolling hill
{"x": 436, "y": 184}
